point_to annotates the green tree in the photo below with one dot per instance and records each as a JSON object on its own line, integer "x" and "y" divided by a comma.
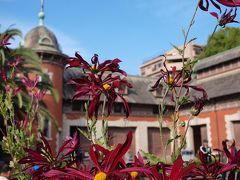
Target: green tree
{"x": 222, "y": 40}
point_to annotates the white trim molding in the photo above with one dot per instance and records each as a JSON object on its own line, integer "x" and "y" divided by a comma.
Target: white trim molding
{"x": 141, "y": 131}
{"x": 196, "y": 122}
{"x": 229, "y": 119}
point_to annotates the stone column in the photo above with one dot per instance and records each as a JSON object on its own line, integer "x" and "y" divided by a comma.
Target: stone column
{"x": 141, "y": 137}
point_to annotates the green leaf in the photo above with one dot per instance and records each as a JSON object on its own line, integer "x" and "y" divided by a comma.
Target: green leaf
{"x": 84, "y": 133}
{"x": 184, "y": 33}
{"x": 180, "y": 51}
{"x": 171, "y": 140}
{"x": 20, "y": 101}
{"x": 153, "y": 159}
{"x": 191, "y": 40}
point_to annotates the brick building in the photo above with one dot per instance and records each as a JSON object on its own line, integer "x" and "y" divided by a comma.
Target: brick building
{"x": 220, "y": 119}
{"x": 219, "y": 75}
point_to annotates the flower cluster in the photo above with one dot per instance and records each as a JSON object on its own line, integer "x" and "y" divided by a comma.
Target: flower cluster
{"x": 99, "y": 79}
{"x": 106, "y": 163}
{"x": 225, "y": 18}
{"x": 42, "y": 161}
{"x": 175, "y": 80}
{"x": 110, "y": 164}
{"x": 4, "y": 40}
{"x": 32, "y": 89}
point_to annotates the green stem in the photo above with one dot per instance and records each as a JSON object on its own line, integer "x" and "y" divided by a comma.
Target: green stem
{"x": 185, "y": 133}
{"x": 160, "y": 119}
{"x": 188, "y": 30}
{"x": 214, "y": 30}
{"x": 177, "y": 95}
{"x": 104, "y": 125}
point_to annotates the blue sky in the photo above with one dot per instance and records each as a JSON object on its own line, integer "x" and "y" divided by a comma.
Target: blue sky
{"x": 131, "y": 30}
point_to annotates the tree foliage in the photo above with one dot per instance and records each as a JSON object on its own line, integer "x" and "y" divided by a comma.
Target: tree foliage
{"x": 222, "y": 40}
{"x": 21, "y": 105}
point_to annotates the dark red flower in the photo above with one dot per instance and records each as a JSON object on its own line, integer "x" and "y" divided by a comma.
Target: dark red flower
{"x": 40, "y": 162}
{"x": 15, "y": 63}
{"x": 178, "y": 170}
{"x": 32, "y": 89}
{"x": 14, "y": 90}
{"x": 212, "y": 170}
{"x": 96, "y": 67}
{"x": 197, "y": 106}
{"x": 94, "y": 86}
{"x": 204, "y": 4}
{"x": 4, "y": 39}
{"x": 139, "y": 162}
{"x": 229, "y": 3}
{"x": 109, "y": 164}
{"x": 226, "y": 17}
{"x": 99, "y": 79}
{"x": 30, "y": 84}
{"x": 22, "y": 124}
{"x": 174, "y": 79}
{"x": 232, "y": 154}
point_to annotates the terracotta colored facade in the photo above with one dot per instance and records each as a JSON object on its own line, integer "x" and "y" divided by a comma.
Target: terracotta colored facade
{"x": 219, "y": 75}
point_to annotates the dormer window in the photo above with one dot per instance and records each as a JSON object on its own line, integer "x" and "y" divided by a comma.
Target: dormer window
{"x": 46, "y": 41}
{"x": 123, "y": 90}
{"x": 158, "y": 92}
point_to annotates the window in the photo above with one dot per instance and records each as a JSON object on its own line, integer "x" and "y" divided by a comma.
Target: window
{"x": 155, "y": 141}
{"x": 118, "y": 134}
{"x": 50, "y": 74}
{"x": 158, "y": 92}
{"x": 46, "y": 130}
{"x": 77, "y": 105}
{"x": 154, "y": 67}
{"x": 175, "y": 60}
{"x": 199, "y": 134}
{"x": 84, "y": 143}
{"x": 117, "y": 108}
{"x": 123, "y": 90}
{"x": 45, "y": 41}
{"x": 155, "y": 109}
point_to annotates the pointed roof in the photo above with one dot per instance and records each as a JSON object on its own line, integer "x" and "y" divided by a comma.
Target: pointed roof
{"x": 40, "y": 37}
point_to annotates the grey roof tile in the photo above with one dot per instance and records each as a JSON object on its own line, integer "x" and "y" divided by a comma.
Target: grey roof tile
{"x": 218, "y": 59}
{"x": 138, "y": 94}
{"x": 223, "y": 86}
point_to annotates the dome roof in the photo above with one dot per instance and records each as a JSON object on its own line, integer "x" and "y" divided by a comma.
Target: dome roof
{"x": 41, "y": 38}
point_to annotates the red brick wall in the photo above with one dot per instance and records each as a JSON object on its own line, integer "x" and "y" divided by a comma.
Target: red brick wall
{"x": 217, "y": 123}
{"x": 55, "y": 107}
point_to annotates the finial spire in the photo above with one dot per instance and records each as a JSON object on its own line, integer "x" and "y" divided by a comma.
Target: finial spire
{"x": 41, "y": 14}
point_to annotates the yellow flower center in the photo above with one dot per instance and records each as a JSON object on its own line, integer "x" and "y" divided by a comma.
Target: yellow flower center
{"x": 100, "y": 176}
{"x": 170, "y": 79}
{"x": 134, "y": 174}
{"x": 93, "y": 67}
{"x": 106, "y": 86}
{"x": 209, "y": 174}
